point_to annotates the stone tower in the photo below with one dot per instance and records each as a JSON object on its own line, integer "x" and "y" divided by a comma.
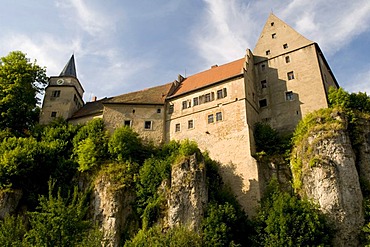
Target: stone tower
{"x": 63, "y": 95}
{"x": 292, "y": 75}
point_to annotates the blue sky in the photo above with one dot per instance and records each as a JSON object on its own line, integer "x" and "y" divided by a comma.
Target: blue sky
{"x": 122, "y": 45}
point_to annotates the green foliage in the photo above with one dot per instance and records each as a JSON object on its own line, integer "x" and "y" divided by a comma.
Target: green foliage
{"x": 20, "y": 81}
{"x": 188, "y": 147}
{"x": 218, "y": 224}
{"x": 121, "y": 175}
{"x": 154, "y": 237}
{"x": 90, "y": 145}
{"x": 151, "y": 175}
{"x": 125, "y": 144}
{"x": 355, "y": 101}
{"x": 269, "y": 141}
{"x": 12, "y": 231}
{"x": 59, "y": 221}
{"x": 285, "y": 220}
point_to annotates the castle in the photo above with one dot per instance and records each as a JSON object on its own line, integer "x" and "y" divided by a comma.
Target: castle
{"x": 284, "y": 78}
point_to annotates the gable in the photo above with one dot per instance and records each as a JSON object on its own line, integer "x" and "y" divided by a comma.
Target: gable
{"x": 278, "y": 38}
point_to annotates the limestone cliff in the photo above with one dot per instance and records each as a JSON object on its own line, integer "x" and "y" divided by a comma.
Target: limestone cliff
{"x": 188, "y": 194}
{"x": 111, "y": 208}
{"x": 324, "y": 170}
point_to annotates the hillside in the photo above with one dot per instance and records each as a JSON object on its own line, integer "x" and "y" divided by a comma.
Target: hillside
{"x": 68, "y": 185}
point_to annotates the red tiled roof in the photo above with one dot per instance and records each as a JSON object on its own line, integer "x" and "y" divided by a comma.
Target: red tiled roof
{"x": 208, "y": 77}
{"x": 153, "y": 95}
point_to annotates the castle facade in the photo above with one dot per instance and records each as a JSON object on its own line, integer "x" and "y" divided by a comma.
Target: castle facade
{"x": 283, "y": 79}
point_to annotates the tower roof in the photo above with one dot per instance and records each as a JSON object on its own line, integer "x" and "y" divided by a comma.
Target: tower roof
{"x": 70, "y": 68}
{"x": 278, "y": 38}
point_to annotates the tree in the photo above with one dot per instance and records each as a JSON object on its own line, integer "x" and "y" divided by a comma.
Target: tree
{"x": 20, "y": 82}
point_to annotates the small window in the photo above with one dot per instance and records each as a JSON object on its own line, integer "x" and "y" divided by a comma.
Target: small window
{"x": 263, "y": 67}
{"x": 264, "y": 84}
{"x": 218, "y": 116}
{"x": 207, "y": 97}
{"x": 184, "y": 104}
{"x": 289, "y": 96}
{"x": 225, "y": 92}
{"x": 263, "y": 102}
{"x": 219, "y": 94}
{"x": 272, "y": 24}
{"x": 195, "y": 101}
{"x": 190, "y": 124}
{"x": 159, "y": 110}
{"x": 55, "y": 93}
{"x": 170, "y": 109}
{"x": 177, "y": 127}
{"x": 273, "y": 35}
{"x": 127, "y": 123}
{"x": 210, "y": 118}
{"x": 287, "y": 59}
{"x": 268, "y": 52}
{"x": 53, "y": 114}
{"x": 285, "y": 46}
{"x": 148, "y": 125}
{"x": 290, "y": 75}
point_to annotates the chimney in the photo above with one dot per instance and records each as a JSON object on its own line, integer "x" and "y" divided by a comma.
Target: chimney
{"x": 214, "y": 66}
{"x": 94, "y": 98}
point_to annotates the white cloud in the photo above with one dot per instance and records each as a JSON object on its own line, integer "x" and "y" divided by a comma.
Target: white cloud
{"x": 225, "y": 32}
{"x": 361, "y": 83}
{"x": 88, "y": 19}
{"x": 331, "y": 23}
{"x": 44, "y": 48}
{"x": 229, "y": 27}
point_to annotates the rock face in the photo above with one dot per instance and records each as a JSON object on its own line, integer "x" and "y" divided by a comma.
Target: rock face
{"x": 9, "y": 201}
{"x": 111, "y": 208}
{"x": 188, "y": 194}
{"x": 330, "y": 178}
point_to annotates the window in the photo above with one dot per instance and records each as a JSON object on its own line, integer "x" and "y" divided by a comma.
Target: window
{"x": 184, "y": 104}
{"x": 148, "y": 125}
{"x": 218, "y": 116}
{"x": 55, "y": 93}
{"x": 264, "y": 84}
{"x": 177, "y": 127}
{"x": 190, "y": 124}
{"x": 207, "y": 97}
{"x": 289, "y": 96}
{"x": 272, "y": 24}
{"x": 195, "y": 101}
{"x": 290, "y": 75}
{"x": 159, "y": 110}
{"x": 268, "y": 52}
{"x": 263, "y": 67}
{"x": 201, "y": 99}
{"x": 263, "y": 102}
{"x": 210, "y": 118}
{"x": 287, "y": 59}
{"x": 285, "y": 46}
{"x": 170, "y": 109}
{"x": 222, "y": 93}
{"x": 127, "y": 123}
{"x": 53, "y": 114}
{"x": 274, "y": 35}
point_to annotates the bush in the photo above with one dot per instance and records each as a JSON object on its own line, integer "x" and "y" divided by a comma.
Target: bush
{"x": 12, "y": 231}
{"x": 154, "y": 237}
{"x": 125, "y": 145}
{"x": 285, "y": 220}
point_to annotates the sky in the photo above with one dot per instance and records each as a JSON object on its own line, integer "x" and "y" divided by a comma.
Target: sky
{"x": 122, "y": 46}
